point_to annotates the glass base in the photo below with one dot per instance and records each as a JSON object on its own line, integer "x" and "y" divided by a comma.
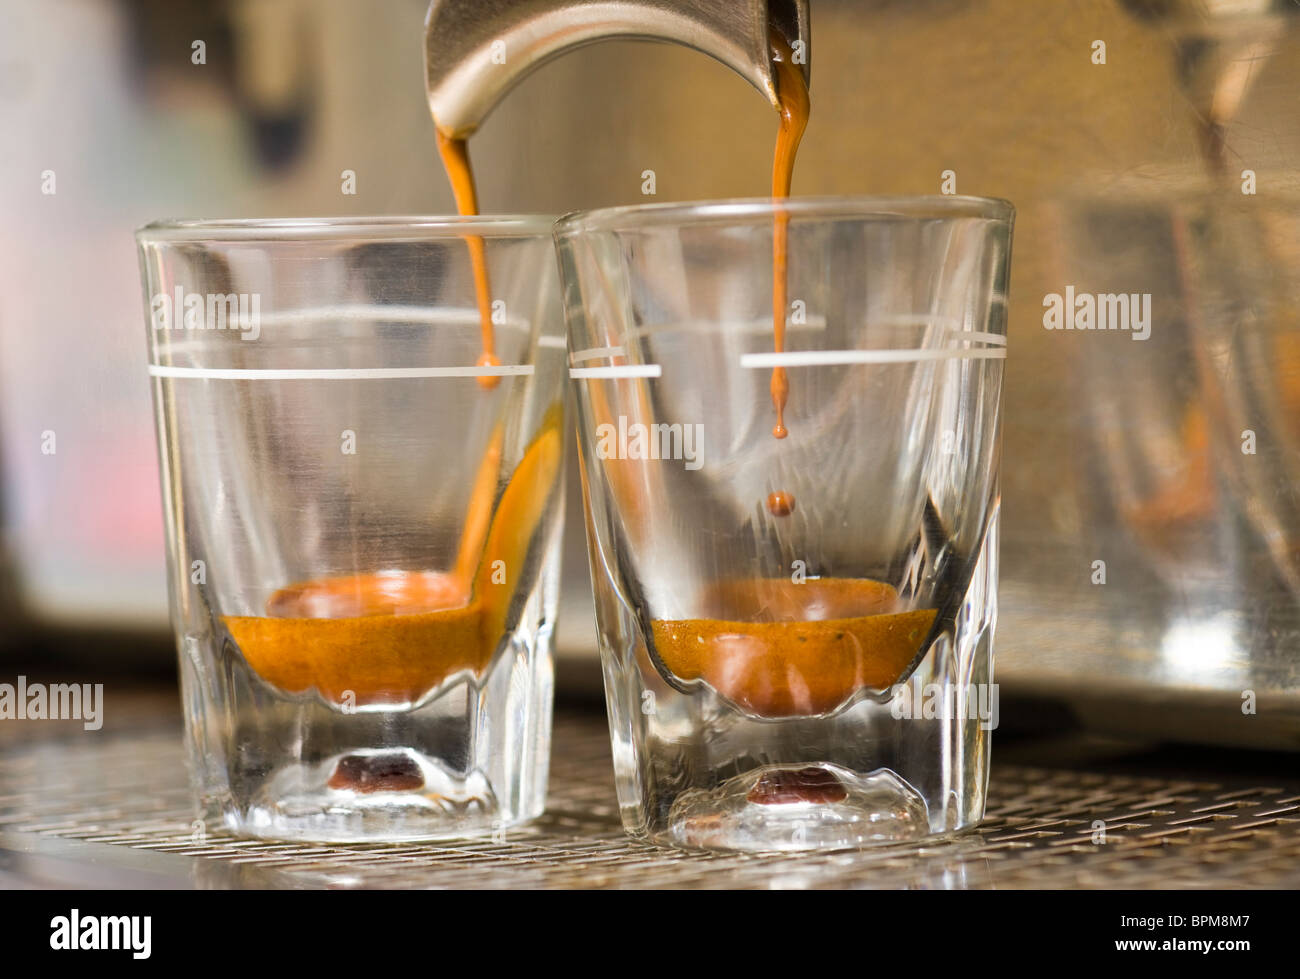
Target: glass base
{"x": 372, "y": 795}
{"x": 800, "y": 807}
{"x": 470, "y": 760}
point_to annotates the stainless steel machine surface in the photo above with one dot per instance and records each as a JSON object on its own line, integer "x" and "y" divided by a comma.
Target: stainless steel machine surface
{"x": 115, "y": 813}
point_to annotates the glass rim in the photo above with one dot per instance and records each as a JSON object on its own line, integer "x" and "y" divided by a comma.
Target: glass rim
{"x": 382, "y": 227}
{"x": 632, "y": 217}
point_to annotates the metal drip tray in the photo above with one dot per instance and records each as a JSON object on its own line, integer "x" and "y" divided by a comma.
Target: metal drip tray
{"x": 116, "y": 813}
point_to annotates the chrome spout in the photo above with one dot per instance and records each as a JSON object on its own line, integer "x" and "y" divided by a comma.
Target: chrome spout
{"x": 475, "y": 51}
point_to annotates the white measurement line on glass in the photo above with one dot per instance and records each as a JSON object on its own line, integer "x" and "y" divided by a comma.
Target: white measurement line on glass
{"x": 923, "y": 320}
{"x": 813, "y": 323}
{"x": 333, "y": 374}
{"x": 828, "y": 358}
{"x": 592, "y": 353}
{"x": 179, "y": 342}
{"x": 975, "y": 336}
{"x": 387, "y": 313}
{"x": 620, "y": 370}
{"x": 362, "y": 312}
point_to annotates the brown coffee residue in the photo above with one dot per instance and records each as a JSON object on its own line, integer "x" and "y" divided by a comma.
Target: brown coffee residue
{"x": 780, "y": 649}
{"x": 389, "y": 772}
{"x": 808, "y": 786}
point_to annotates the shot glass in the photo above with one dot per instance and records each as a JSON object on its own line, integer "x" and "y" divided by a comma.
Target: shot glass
{"x": 789, "y": 443}
{"x": 360, "y": 427}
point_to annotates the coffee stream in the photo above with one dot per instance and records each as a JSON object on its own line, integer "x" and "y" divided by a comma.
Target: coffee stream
{"x": 455, "y": 160}
{"x": 792, "y": 96}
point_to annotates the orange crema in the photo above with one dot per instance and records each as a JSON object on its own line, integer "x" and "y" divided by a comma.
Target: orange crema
{"x": 391, "y": 637}
{"x": 775, "y": 648}
{"x": 387, "y": 637}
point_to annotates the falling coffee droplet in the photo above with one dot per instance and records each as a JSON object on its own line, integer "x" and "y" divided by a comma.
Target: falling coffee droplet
{"x": 488, "y": 381}
{"x": 780, "y": 388}
{"x": 780, "y": 503}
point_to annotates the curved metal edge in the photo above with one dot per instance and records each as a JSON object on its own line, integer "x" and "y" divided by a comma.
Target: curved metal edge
{"x": 475, "y": 54}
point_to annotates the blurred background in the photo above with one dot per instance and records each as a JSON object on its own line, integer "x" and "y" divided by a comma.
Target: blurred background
{"x": 1151, "y": 489}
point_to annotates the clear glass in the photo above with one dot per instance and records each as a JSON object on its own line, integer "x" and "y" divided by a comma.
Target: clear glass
{"x": 796, "y": 632}
{"x": 363, "y": 518}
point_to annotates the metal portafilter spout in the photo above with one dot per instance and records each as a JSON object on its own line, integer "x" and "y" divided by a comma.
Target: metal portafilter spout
{"x": 475, "y": 51}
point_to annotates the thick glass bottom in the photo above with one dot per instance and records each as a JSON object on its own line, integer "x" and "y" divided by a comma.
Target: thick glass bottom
{"x": 470, "y": 760}
{"x": 800, "y": 807}
{"x": 370, "y": 795}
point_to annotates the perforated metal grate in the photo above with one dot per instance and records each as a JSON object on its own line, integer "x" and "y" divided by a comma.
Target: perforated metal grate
{"x": 125, "y": 800}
